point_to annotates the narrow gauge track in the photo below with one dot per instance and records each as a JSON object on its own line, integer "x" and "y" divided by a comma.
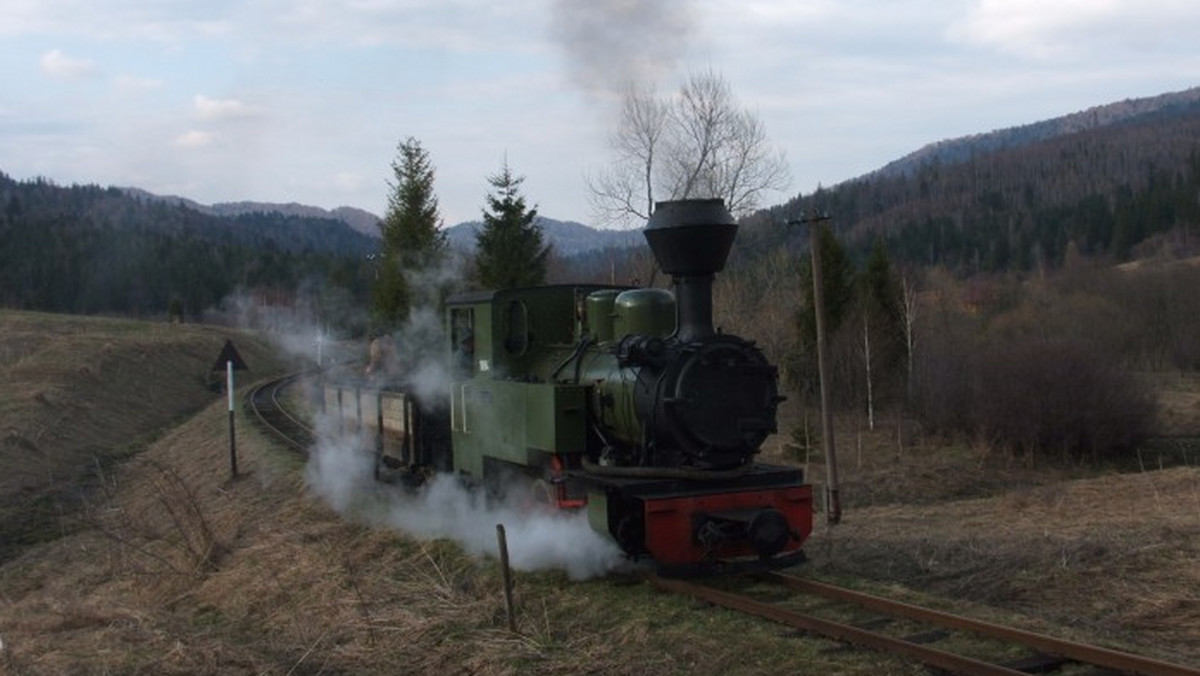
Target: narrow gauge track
{"x": 1050, "y": 653}
{"x": 264, "y": 404}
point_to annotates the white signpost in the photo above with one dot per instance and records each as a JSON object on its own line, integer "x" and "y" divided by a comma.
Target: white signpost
{"x": 233, "y": 470}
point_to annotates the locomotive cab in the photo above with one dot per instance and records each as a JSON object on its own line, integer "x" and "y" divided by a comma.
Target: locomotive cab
{"x": 511, "y": 416}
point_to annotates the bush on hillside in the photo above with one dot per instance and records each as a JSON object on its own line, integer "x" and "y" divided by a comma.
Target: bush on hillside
{"x": 1058, "y": 399}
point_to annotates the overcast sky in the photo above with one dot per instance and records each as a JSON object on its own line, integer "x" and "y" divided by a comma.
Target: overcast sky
{"x": 305, "y": 100}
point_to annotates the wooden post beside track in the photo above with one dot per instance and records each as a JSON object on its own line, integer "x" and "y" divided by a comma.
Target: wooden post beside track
{"x": 233, "y": 468}
{"x": 507, "y": 573}
{"x": 379, "y": 425}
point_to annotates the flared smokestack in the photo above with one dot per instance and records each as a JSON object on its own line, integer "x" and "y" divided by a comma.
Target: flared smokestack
{"x": 691, "y": 240}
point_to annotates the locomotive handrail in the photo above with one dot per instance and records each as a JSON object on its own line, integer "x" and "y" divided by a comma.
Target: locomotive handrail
{"x": 575, "y": 355}
{"x": 462, "y": 397}
{"x": 667, "y": 472}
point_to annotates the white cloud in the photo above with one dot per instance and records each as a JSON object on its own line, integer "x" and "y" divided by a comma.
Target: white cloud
{"x": 131, "y": 83}
{"x": 453, "y": 25}
{"x": 194, "y": 139}
{"x": 59, "y": 65}
{"x": 304, "y": 100}
{"x": 350, "y": 181}
{"x": 1066, "y": 28}
{"x": 221, "y": 109}
{"x": 114, "y": 20}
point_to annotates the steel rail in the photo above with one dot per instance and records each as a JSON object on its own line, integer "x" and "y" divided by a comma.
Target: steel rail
{"x": 264, "y": 403}
{"x": 1088, "y": 654}
{"x": 940, "y": 659}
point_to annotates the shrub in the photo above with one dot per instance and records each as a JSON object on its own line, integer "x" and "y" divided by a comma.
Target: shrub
{"x": 1059, "y": 397}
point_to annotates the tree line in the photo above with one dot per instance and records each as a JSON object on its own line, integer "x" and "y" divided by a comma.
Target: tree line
{"x": 86, "y": 249}
{"x": 1053, "y": 366}
{"x": 91, "y": 250}
{"x": 1010, "y": 324}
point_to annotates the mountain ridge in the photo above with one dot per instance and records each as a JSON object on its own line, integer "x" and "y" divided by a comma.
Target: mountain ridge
{"x": 1009, "y": 138}
{"x": 571, "y": 237}
{"x": 360, "y": 220}
{"x": 568, "y": 237}
{"x": 1100, "y": 183}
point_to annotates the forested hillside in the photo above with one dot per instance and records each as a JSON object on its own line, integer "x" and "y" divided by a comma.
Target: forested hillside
{"x": 359, "y": 219}
{"x": 1014, "y": 200}
{"x": 87, "y": 249}
{"x": 1109, "y": 115}
{"x": 567, "y": 237}
{"x": 1103, "y": 182}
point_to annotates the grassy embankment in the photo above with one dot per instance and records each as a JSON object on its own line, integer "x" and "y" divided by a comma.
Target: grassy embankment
{"x": 171, "y": 568}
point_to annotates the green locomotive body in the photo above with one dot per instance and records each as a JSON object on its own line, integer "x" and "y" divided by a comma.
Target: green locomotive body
{"x": 535, "y": 368}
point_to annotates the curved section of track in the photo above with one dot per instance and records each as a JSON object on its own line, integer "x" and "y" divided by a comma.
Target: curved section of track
{"x": 265, "y": 406}
{"x": 1051, "y": 652}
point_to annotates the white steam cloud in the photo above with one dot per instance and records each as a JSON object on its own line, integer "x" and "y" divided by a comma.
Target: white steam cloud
{"x": 340, "y": 470}
{"x": 422, "y": 353}
{"x": 292, "y": 327}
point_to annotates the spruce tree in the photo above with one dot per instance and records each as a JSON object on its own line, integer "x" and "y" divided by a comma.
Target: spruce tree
{"x": 880, "y": 315}
{"x": 412, "y": 240}
{"x": 879, "y": 287}
{"x": 837, "y": 280}
{"x": 510, "y": 248}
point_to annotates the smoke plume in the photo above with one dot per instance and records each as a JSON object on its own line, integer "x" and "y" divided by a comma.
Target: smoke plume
{"x": 613, "y": 44}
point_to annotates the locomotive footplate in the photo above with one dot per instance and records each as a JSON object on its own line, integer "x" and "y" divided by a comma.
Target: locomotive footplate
{"x": 754, "y": 521}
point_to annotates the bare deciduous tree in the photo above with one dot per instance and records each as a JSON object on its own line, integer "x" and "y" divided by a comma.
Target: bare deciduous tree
{"x": 699, "y": 143}
{"x": 617, "y": 189}
{"x": 908, "y": 307}
{"x": 756, "y": 296}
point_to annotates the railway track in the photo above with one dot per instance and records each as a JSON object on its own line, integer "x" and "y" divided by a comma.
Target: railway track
{"x": 265, "y": 406}
{"x": 918, "y": 626}
{"x": 1049, "y": 654}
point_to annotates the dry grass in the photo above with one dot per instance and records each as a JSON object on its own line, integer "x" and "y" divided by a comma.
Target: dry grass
{"x": 1179, "y": 404}
{"x": 83, "y": 392}
{"x": 296, "y": 589}
{"x": 1111, "y": 558}
{"x": 1093, "y": 553}
{"x": 175, "y": 569}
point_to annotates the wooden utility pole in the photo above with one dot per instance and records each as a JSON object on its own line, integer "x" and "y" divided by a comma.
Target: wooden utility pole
{"x": 832, "y": 500}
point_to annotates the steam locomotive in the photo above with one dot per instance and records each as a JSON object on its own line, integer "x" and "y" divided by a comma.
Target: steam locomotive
{"x": 622, "y": 401}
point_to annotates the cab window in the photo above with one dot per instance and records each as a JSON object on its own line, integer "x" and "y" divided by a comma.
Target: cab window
{"x": 516, "y": 340}
{"x": 462, "y": 338}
